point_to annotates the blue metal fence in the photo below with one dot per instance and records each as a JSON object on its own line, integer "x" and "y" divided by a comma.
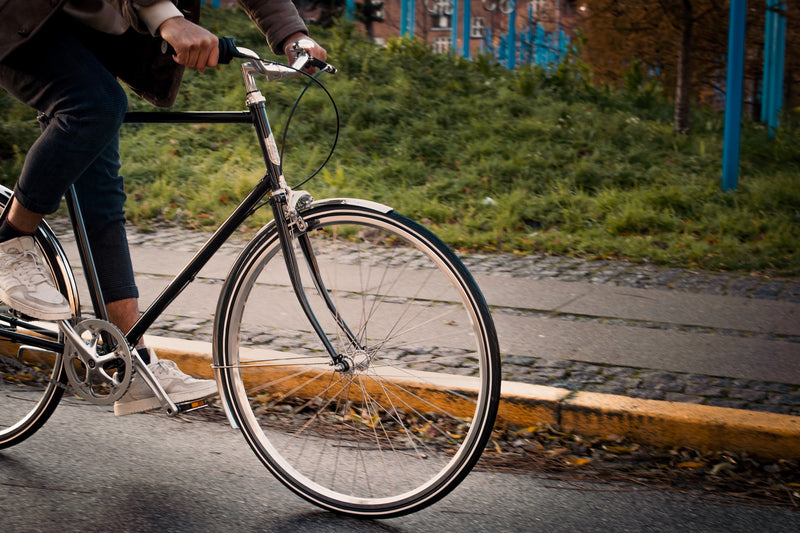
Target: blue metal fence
{"x": 537, "y": 46}
{"x": 526, "y": 43}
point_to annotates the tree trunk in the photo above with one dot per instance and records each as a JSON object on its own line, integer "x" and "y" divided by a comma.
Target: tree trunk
{"x": 683, "y": 87}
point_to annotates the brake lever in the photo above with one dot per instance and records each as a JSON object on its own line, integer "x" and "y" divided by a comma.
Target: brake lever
{"x": 305, "y": 60}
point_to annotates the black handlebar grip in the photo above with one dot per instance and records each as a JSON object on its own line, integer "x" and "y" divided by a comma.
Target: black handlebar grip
{"x": 227, "y": 50}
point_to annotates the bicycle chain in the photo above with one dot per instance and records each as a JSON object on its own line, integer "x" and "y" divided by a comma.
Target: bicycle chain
{"x": 67, "y": 387}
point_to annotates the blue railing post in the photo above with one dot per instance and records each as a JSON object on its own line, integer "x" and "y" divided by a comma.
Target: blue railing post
{"x": 774, "y": 50}
{"x": 467, "y": 28}
{"x": 350, "y": 9}
{"x": 512, "y": 36}
{"x": 733, "y": 96}
{"x": 408, "y": 22}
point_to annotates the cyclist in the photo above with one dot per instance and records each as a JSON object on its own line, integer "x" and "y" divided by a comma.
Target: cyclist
{"x": 63, "y": 58}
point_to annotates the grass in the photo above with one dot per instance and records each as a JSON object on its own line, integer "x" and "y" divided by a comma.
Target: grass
{"x": 493, "y": 160}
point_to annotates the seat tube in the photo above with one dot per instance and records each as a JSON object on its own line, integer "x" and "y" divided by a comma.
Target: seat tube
{"x": 85, "y": 253}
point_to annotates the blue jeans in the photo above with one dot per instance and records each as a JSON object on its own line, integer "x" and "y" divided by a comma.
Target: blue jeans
{"x": 84, "y": 105}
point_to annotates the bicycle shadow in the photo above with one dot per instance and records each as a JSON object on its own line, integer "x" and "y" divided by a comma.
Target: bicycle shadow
{"x": 80, "y": 501}
{"x": 159, "y": 506}
{"x": 326, "y": 521}
{"x": 17, "y": 474}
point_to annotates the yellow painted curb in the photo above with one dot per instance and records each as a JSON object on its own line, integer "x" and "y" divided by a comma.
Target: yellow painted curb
{"x": 526, "y": 405}
{"x": 702, "y": 427}
{"x": 660, "y": 423}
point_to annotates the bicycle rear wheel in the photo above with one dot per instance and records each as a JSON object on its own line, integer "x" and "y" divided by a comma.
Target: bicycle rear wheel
{"x": 407, "y": 421}
{"x": 32, "y": 377}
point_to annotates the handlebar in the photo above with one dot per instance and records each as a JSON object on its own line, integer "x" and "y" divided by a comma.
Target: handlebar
{"x": 228, "y": 51}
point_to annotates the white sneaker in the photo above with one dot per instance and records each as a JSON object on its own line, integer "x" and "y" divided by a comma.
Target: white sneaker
{"x": 25, "y": 285}
{"x": 180, "y": 387}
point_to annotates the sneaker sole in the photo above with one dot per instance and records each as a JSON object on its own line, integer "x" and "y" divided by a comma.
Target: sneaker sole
{"x": 33, "y": 312}
{"x": 122, "y": 408}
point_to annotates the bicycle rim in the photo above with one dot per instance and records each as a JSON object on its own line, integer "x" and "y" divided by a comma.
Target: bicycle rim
{"x": 407, "y": 421}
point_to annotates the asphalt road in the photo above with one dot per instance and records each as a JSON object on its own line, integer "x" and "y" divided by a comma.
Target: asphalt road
{"x": 89, "y": 471}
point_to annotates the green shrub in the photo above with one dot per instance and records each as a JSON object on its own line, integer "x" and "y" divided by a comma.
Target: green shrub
{"x": 492, "y": 159}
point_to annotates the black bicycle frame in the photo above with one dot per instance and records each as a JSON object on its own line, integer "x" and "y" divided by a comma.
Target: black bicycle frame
{"x": 271, "y": 184}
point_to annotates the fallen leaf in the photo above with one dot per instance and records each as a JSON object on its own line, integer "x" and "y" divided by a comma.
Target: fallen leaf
{"x": 621, "y": 449}
{"x": 577, "y": 461}
{"x": 721, "y": 467}
{"x": 691, "y": 464}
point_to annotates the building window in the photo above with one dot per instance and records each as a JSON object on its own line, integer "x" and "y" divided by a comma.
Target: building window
{"x": 477, "y": 27}
{"x": 441, "y": 13}
{"x": 441, "y": 45}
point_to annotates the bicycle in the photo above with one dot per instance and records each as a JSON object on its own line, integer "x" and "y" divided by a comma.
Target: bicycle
{"x": 395, "y": 374}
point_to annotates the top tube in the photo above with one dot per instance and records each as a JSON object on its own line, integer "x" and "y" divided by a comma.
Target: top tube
{"x": 188, "y": 117}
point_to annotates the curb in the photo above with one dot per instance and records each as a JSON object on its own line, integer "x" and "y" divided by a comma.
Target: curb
{"x": 654, "y": 422}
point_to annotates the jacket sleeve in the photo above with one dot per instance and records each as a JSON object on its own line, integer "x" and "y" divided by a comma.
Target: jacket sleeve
{"x": 277, "y": 20}
{"x": 154, "y": 15}
{"x": 129, "y": 9}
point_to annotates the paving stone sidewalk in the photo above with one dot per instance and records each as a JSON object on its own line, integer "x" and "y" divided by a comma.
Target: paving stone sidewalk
{"x": 577, "y": 375}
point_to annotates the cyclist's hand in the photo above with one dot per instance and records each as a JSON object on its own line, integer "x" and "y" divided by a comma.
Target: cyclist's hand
{"x": 195, "y": 47}
{"x": 298, "y": 41}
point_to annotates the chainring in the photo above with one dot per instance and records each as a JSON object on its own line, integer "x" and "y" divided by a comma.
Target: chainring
{"x": 104, "y": 376}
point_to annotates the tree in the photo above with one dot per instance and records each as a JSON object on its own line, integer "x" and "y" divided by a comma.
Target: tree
{"x": 667, "y": 37}
{"x": 682, "y": 44}
{"x": 683, "y": 21}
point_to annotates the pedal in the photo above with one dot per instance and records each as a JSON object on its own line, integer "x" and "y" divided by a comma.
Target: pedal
{"x": 187, "y": 407}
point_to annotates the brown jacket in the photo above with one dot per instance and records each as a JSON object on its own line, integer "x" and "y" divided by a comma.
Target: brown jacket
{"x": 137, "y": 57}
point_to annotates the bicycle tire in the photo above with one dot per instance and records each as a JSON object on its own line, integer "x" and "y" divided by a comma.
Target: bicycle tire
{"x": 409, "y": 420}
{"x": 32, "y": 383}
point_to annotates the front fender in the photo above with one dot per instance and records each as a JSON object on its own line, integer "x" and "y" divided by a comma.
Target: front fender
{"x": 374, "y": 206}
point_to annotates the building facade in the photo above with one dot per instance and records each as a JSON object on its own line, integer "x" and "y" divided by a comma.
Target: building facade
{"x": 441, "y": 24}
{"x": 436, "y": 22}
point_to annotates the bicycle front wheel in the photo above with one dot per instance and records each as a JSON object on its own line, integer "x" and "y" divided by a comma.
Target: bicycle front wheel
{"x": 407, "y": 417}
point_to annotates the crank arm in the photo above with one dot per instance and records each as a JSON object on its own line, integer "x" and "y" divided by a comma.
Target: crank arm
{"x": 167, "y": 405}
{"x": 75, "y": 340}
